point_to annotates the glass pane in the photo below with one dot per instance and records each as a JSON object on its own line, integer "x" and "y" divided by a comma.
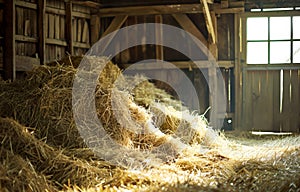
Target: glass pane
{"x": 296, "y": 52}
{"x": 257, "y": 53}
{"x": 257, "y": 28}
{"x": 280, "y": 52}
{"x": 296, "y": 27}
{"x": 280, "y": 28}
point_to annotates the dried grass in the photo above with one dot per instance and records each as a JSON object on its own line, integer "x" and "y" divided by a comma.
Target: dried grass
{"x": 41, "y": 149}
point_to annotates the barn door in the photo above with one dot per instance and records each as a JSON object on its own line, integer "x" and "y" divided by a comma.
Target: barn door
{"x": 271, "y": 100}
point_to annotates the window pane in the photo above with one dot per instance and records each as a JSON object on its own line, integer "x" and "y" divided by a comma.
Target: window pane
{"x": 296, "y": 27}
{"x": 280, "y": 28}
{"x": 257, "y": 53}
{"x": 296, "y": 52}
{"x": 280, "y": 52}
{"x": 257, "y": 28}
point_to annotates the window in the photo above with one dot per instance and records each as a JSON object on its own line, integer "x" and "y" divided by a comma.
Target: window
{"x": 273, "y": 40}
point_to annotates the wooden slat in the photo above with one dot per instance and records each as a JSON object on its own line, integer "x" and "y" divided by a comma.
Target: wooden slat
{"x": 208, "y": 21}
{"x": 151, "y": 10}
{"x": 56, "y": 42}
{"x": 26, "y": 4}
{"x": 81, "y": 45}
{"x": 189, "y": 26}
{"x": 85, "y": 32}
{"x": 26, "y": 39}
{"x": 42, "y": 30}
{"x": 57, "y": 27}
{"x": 51, "y": 25}
{"x": 20, "y": 23}
{"x": 9, "y": 64}
{"x": 295, "y": 101}
{"x": 79, "y": 30}
{"x": 69, "y": 27}
{"x": 276, "y": 101}
{"x": 63, "y": 12}
{"x": 287, "y": 106}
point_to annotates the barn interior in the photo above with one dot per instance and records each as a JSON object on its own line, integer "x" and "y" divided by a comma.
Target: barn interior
{"x": 173, "y": 95}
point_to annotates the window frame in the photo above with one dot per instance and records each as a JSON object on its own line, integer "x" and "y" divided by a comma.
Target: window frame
{"x": 269, "y": 14}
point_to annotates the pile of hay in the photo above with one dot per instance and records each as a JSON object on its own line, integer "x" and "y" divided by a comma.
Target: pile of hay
{"x": 41, "y": 148}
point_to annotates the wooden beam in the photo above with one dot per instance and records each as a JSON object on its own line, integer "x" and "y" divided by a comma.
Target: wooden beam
{"x": 26, "y": 4}
{"x": 41, "y": 20}
{"x": 69, "y": 25}
{"x": 95, "y": 28}
{"x": 185, "y": 22}
{"x": 208, "y": 21}
{"x": 9, "y": 49}
{"x": 91, "y": 4}
{"x": 151, "y": 10}
{"x": 159, "y": 38}
{"x": 116, "y": 23}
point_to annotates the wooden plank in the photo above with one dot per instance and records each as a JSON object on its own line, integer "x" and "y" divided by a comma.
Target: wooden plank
{"x": 286, "y": 106}
{"x": 116, "y": 24}
{"x": 20, "y": 23}
{"x": 95, "y": 28}
{"x": 85, "y": 32}
{"x": 57, "y": 25}
{"x": 81, "y": 45}
{"x": 208, "y": 21}
{"x": 25, "y": 4}
{"x": 295, "y": 101}
{"x": 189, "y": 26}
{"x": 26, "y": 39}
{"x": 62, "y": 28}
{"x": 219, "y": 10}
{"x": 56, "y": 42}
{"x": 79, "y": 30}
{"x": 9, "y": 49}
{"x": 74, "y": 29}
{"x": 159, "y": 38}
{"x": 69, "y": 27}
{"x": 24, "y": 63}
{"x": 277, "y": 125}
{"x": 150, "y": 10}
{"x": 51, "y": 26}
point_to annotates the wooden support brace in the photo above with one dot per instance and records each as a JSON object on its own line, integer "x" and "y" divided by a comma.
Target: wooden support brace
{"x": 208, "y": 20}
{"x": 9, "y": 58}
{"x": 185, "y": 22}
{"x": 116, "y": 24}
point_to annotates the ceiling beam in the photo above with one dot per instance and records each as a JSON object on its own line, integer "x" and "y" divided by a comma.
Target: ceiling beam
{"x": 151, "y": 10}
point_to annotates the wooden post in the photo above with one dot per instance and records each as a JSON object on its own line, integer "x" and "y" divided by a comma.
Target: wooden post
{"x": 41, "y": 19}
{"x": 238, "y": 110}
{"x": 95, "y": 28}
{"x": 9, "y": 65}
{"x": 159, "y": 38}
{"x": 69, "y": 25}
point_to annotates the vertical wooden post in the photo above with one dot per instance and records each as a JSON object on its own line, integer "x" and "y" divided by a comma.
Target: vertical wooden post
{"x": 69, "y": 26}
{"x": 9, "y": 55}
{"x": 95, "y": 28}
{"x": 238, "y": 115}
{"x": 159, "y": 38}
{"x": 41, "y": 30}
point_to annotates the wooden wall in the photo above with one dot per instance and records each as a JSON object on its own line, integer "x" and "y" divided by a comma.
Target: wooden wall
{"x": 42, "y": 33}
{"x": 272, "y": 100}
